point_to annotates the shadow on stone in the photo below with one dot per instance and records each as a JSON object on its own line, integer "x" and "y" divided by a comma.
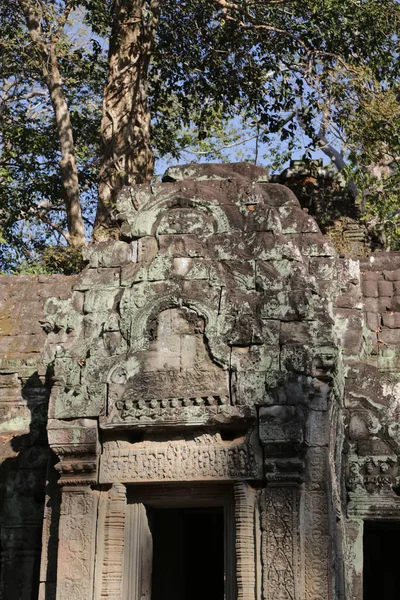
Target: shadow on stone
{"x": 25, "y": 492}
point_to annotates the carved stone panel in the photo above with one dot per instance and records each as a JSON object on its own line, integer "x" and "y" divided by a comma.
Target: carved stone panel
{"x": 202, "y": 457}
{"x": 76, "y": 544}
{"x": 318, "y": 576}
{"x": 174, "y": 381}
{"x": 280, "y": 522}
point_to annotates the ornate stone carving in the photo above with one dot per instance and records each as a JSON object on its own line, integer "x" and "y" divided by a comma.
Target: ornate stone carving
{"x": 318, "y": 560}
{"x": 245, "y": 542}
{"x": 280, "y": 543}
{"x": 76, "y": 544}
{"x": 376, "y": 474}
{"x": 76, "y": 445}
{"x": 203, "y": 457}
{"x": 113, "y": 551}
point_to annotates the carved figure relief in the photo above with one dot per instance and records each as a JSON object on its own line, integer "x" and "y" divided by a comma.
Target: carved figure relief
{"x": 195, "y": 458}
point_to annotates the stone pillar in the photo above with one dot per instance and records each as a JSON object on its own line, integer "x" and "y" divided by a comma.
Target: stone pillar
{"x": 245, "y": 541}
{"x": 76, "y": 544}
{"x": 280, "y": 543}
{"x": 138, "y": 554}
{"x": 76, "y": 444}
{"x": 111, "y": 544}
{"x": 51, "y": 518}
{"x": 354, "y": 559}
{"x": 318, "y": 530}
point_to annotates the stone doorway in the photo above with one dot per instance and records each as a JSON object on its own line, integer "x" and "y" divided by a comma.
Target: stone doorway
{"x": 180, "y": 543}
{"x": 381, "y": 565}
{"x": 188, "y": 553}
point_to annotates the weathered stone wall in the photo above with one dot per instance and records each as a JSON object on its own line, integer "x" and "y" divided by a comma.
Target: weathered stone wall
{"x": 368, "y": 322}
{"x": 24, "y": 451}
{"x": 221, "y": 342}
{"x": 324, "y": 193}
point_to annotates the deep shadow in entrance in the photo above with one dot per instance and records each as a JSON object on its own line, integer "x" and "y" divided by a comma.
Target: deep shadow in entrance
{"x": 188, "y": 553}
{"x": 381, "y": 562}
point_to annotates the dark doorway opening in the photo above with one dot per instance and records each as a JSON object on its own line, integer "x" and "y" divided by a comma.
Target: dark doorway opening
{"x": 381, "y": 571}
{"x": 188, "y": 553}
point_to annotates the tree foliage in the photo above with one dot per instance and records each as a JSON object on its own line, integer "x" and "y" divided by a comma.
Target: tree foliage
{"x": 316, "y": 74}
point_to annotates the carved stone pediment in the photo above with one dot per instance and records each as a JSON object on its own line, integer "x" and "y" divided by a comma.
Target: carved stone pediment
{"x": 173, "y": 382}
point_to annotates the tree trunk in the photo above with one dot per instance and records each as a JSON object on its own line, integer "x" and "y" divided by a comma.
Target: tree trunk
{"x": 127, "y": 157}
{"x": 69, "y": 172}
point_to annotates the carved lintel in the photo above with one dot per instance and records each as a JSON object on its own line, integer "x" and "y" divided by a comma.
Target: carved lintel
{"x": 76, "y": 445}
{"x": 204, "y": 457}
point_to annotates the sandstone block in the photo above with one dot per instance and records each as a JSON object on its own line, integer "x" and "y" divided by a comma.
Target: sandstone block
{"x": 371, "y": 304}
{"x": 389, "y": 336}
{"x": 386, "y": 303}
{"x": 392, "y": 275}
{"x": 391, "y": 320}
{"x": 373, "y": 321}
{"x": 395, "y": 303}
{"x": 385, "y": 288}
{"x": 370, "y": 289}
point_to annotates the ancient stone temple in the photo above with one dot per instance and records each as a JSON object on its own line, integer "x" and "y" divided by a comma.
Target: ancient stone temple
{"x": 211, "y": 409}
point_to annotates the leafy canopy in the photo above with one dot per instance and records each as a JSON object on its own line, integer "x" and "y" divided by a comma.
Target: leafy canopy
{"x": 292, "y": 72}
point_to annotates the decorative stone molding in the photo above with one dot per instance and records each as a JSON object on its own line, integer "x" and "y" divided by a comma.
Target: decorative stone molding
{"x": 76, "y": 445}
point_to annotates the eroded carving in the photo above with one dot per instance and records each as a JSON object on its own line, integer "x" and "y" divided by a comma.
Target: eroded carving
{"x": 205, "y": 457}
{"x": 280, "y": 520}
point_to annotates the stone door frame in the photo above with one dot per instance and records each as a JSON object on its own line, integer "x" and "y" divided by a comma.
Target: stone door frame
{"x": 362, "y": 507}
{"x": 115, "y": 533}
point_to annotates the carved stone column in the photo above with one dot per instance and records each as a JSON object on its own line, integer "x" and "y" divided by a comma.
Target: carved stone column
{"x": 245, "y": 541}
{"x": 76, "y": 445}
{"x": 318, "y": 529}
{"x": 354, "y": 559}
{"x": 110, "y": 544}
{"x": 138, "y": 554}
{"x": 280, "y": 543}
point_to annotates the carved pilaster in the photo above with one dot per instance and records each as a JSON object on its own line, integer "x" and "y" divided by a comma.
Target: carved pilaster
{"x": 245, "y": 541}
{"x": 280, "y": 543}
{"x": 318, "y": 529}
{"x": 113, "y": 544}
{"x": 77, "y": 532}
{"x": 138, "y": 554}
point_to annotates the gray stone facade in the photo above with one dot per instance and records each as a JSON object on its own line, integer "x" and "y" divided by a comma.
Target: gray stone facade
{"x": 219, "y": 354}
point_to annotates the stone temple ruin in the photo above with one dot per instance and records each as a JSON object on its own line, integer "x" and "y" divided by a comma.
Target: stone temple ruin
{"x": 211, "y": 409}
